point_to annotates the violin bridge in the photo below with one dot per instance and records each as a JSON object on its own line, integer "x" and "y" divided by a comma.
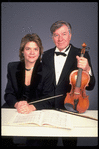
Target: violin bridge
{"x": 76, "y": 93}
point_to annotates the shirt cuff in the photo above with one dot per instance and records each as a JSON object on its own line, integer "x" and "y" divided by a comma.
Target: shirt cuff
{"x": 90, "y": 72}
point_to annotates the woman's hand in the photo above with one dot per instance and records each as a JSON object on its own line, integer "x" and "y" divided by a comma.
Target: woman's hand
{"x": 23, "y": 107}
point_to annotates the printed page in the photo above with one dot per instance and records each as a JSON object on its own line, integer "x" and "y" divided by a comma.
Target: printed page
{"x": 57, "y": 119}
{"x": 34, "y": 117}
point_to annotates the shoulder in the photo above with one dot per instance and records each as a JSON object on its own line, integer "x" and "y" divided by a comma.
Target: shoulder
{"x": 43, "y": 69}
{"x": 15, "y": 65}
{"x": 49, "y": 51}
{"x": 75, "y": 49}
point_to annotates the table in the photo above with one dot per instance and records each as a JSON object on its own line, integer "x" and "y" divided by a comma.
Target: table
{"x": 82, "y": 127}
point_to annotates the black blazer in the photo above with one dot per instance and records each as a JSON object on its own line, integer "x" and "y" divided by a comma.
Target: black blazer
{"x": 40, "y": 87}
{"x": 63, "y": 85}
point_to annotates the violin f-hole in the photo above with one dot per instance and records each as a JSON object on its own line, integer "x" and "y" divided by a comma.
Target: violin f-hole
{"x": 75, "y": 104}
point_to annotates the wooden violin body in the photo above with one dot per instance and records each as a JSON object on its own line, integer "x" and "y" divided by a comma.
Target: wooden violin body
{"x": 77, "y": 96}
{"x": 77, "y": 100}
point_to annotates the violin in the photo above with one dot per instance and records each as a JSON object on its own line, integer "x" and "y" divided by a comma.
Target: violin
{"x": 77, "y": 101}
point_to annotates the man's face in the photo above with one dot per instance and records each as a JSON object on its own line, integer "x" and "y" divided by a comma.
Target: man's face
{"x": 61, "y": 37}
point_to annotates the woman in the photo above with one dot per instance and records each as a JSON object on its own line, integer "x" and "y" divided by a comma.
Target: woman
{"x": 27, "y": 79}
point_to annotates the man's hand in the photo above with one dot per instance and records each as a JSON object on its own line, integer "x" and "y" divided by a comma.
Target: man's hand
{"x": 23, "y": 107}
{"x": 82, "y": 62}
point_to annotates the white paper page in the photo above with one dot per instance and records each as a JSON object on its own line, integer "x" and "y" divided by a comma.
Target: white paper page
{"x": 34, "y": 117}
{"x": 58, "y": 119}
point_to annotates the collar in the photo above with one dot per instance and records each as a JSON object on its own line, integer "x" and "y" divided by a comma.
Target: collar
{"x": 57, "y": 50}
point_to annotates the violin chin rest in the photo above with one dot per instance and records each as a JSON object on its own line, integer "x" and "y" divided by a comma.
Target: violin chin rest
{"x": 69, "y": 107}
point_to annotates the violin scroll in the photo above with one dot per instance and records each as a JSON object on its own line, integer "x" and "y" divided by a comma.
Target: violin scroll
{"x": 83, "y": 49}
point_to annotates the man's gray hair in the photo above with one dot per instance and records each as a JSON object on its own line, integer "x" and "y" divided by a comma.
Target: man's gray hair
{"x": 58, "y": 24}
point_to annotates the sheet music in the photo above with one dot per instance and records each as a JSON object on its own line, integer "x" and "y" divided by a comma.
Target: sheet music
{"x": 43, "y": 117}
{"x": 33, "y": 117}
{"x": 56, "y": 118}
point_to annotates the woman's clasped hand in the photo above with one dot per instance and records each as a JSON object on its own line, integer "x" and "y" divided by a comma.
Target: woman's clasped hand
{"x": 23, "y": 107}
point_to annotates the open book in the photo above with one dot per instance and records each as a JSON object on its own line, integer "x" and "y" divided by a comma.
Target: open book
{"x": 43, "y": 118}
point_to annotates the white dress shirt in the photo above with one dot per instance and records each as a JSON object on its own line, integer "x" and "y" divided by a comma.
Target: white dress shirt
{"x": 59, "y": 62}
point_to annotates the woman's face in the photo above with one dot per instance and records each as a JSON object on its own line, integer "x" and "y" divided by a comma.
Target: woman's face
{"x": 31, "y": 52}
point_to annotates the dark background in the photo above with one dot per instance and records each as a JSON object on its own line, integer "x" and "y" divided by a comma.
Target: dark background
{"x": 18, "y": 19}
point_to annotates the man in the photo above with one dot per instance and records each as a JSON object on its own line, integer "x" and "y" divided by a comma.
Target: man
{"x": 62, "y": 60}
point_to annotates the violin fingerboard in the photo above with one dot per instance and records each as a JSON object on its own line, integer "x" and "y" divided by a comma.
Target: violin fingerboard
{"x": 82, "y": 55}
{"x": 79, "y": 76}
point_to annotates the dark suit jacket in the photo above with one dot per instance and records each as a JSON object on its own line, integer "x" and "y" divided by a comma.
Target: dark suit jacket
{"x": 63, "y": 85}
{"x": 40, "y": 86}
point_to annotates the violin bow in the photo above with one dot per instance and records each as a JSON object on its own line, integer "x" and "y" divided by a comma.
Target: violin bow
{"x": 77, "y": 114}
{"x": 45, "y": 99}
